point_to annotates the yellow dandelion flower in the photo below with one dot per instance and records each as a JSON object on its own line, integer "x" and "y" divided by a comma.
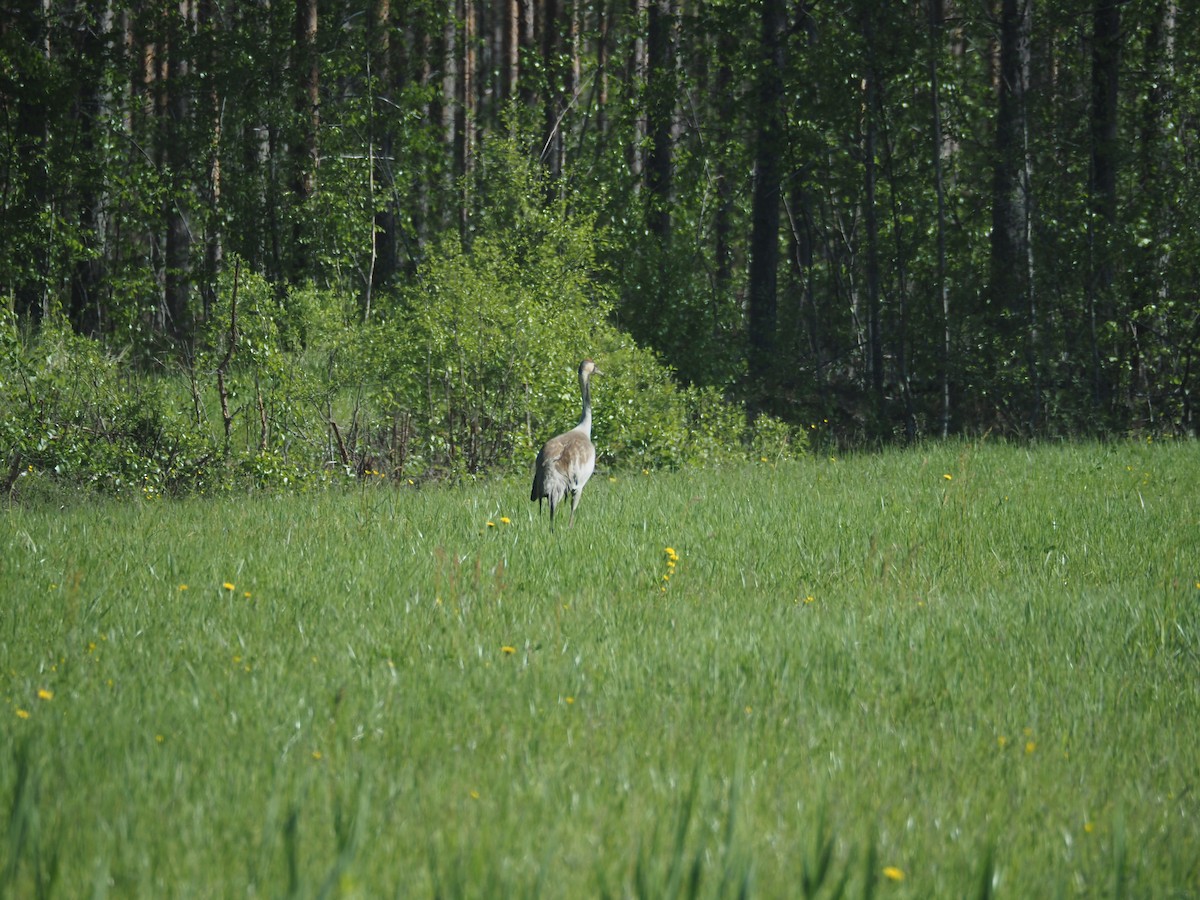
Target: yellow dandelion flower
{"x": 491, "y": 524}
{"x": 474, "y": 795}
{"x": 505, "y": 520}
{"x": 158, "y": 739}
{"x": 183, "y": 587}
{"x": 810, "y": 599}
{"x": 1030, "y": 746}
{"x": 508, "y": 650}
{"x": 1089, "y": 827}
{"x": 892, "y": 873}
{"x": 246, "y": 594}
{"x": 570, "y": 700}
{"x": 22, "y": 714}
{"x": 948, "y": 477}
{"x": 228, "y": 585}
{"x": 316, "y": 754}
{"x": 1002, "y": 741}
{"x": 45, "y": 694}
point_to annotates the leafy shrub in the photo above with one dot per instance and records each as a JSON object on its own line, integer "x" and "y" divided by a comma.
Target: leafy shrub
{"x": 467, "y": 371}
{"x": 70, "y": 410}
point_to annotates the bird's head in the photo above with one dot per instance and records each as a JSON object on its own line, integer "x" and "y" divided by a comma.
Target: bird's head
{"x": 587, "y": 368}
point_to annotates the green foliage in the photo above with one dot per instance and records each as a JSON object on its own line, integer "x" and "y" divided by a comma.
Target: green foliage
{"x": 72, "y": 413}
{"x": 466, "y": 371}
{"x": 479, "y": 357}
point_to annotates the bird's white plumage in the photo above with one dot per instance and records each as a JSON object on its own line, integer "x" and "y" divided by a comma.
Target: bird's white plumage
{"x": 566, "y": 462}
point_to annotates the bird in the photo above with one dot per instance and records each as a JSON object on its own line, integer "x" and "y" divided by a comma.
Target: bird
{"x": 565, "y": 463}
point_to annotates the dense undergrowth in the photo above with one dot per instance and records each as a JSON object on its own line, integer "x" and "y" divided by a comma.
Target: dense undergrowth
{"x": 464, "y": 373}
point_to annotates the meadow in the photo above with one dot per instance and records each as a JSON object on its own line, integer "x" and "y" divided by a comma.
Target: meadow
{"x": 959, "y": 670}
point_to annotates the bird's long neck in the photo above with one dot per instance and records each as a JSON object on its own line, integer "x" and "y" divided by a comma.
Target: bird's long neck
{"x": 585, "y": 420}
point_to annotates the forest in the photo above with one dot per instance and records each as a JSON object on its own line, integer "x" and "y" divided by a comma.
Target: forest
{"x": 877, "y": 221}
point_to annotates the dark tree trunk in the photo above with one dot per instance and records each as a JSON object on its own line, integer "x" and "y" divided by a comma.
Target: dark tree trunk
{"x": 941, "y": 285}
{"x": 1012, "y": 295}
{"x": 175, "y": 132}
{"x": 553, "y": 102}
{"x": 764, "y": 237}
{"x": 660, "y": 115}
{"x": 209, "y": 20}
{"x": 1106, "y": 57}
{"x": 87, "y": 311}
{"x": 464, "y": 146}
{"x": 306, "y": 149}
{"x": 870, "y": 141}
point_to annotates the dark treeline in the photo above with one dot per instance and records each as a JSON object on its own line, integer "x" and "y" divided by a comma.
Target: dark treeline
{"x": 915, "y": 217}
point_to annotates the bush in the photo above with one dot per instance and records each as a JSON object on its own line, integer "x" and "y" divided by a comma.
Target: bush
{"x": 467, "y": 371}
{"x": 78, "y": 414}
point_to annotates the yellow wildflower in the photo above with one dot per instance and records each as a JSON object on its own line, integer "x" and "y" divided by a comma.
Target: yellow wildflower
{"x": 508, "y": 650}
{"x": 229, "y": 585}
{"x": 891, "y": 873}
{"x": 45, "y": 694}
{"x": 505, "y": 520}
{"x": 22, "y": 714}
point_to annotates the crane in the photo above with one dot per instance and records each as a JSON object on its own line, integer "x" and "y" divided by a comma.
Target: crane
{"x": 565, "y": 463}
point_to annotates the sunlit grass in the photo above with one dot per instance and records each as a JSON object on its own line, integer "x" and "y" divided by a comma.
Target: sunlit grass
{"x": 919, "y": 671}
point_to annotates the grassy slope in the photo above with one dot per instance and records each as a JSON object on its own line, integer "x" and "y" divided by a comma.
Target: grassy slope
{"x": 922, "y": 670}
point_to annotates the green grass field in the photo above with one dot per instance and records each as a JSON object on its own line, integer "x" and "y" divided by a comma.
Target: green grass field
{"x": 938, "y": 672}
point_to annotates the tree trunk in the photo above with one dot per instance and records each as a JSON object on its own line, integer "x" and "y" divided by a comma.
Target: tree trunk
{"x": 1012, "y": 294}
{"x": 1106, "y": 57}
{"x": 870, "y": 140}
{"x": 636, "y": 76}
{"x": 941, "y": 285}
{"x": 764, "y": 237}
{"x": 464, "y": 146}
{"x": 306, "y": 150}
{"x": 86, "y": 310}
{"x": 384, "y": 237}
{"x": 178, "y": 248}
{"x": 510, "y": 67}
{"x": 660, "y": 116}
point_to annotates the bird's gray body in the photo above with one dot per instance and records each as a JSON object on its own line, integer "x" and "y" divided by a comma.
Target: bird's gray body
{"x": 566, "y": 462}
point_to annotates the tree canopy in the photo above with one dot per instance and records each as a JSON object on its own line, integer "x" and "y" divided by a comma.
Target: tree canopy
{"x": 911, "y": 218}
